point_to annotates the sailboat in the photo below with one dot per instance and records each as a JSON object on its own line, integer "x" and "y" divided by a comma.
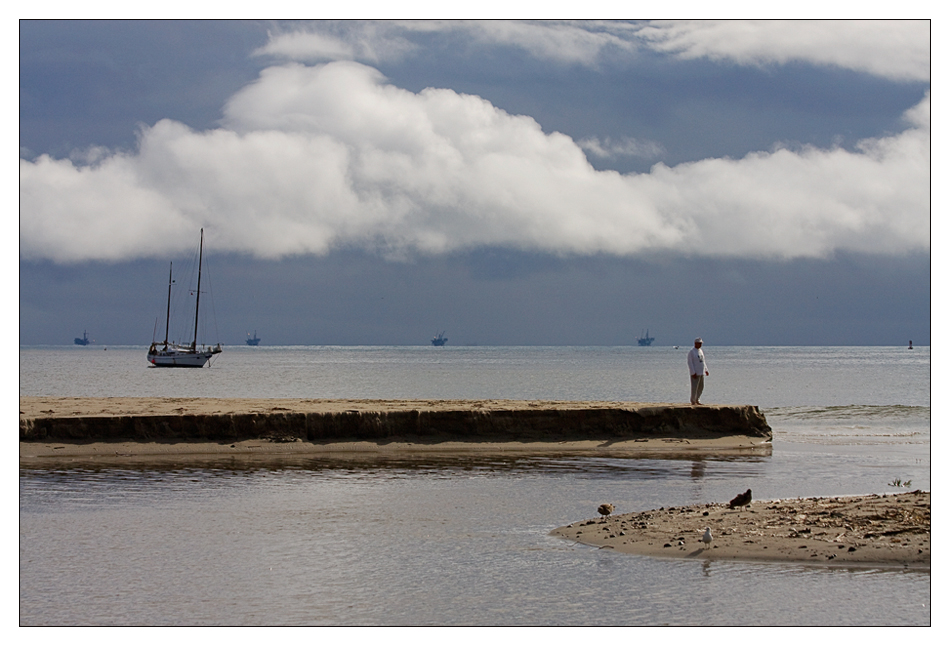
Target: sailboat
{"x": 173, "y": 355}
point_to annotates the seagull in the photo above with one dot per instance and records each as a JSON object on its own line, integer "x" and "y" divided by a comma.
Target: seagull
{"x": 707, "y": 539}
{"x": 741, "y": 500}
{"x": 605, "y": 510}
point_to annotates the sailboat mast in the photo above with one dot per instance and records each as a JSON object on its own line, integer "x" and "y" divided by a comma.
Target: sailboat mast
{"x": 168, "y": 307}
{"x": 194, "y": 344}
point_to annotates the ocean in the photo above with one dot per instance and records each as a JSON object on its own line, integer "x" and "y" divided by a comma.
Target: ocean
{"x": 441, "y": 540}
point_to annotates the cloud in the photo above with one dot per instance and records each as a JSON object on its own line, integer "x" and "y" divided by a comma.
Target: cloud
{"x": 624, "y": 147}
{"x": 806, "y": 203}
{"x": 376, "y": 41}
{"x": 565, "y": 42}
{"x": 354, "y": 41}
{"x": 308, "y": 46}
{"x": 312, "y": 158}
{"x": 894, "y": 49}
{"x": 73, "y": 213}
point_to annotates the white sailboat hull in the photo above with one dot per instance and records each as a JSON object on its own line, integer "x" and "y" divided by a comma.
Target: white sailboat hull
{"x": 182, "y": 357}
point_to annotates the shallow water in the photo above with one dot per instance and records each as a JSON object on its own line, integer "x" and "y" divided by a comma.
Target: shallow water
{"x": 415, "y": 542}
{"x": 422, "y": 539}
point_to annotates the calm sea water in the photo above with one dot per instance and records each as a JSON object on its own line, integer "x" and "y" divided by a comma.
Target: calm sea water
{"x": 449, "y": 540}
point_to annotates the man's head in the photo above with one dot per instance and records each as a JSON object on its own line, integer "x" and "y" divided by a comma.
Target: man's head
{"x": 698, "y": 343}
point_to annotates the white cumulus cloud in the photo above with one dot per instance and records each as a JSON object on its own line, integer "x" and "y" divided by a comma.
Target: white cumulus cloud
{"x": 315, "y": 157}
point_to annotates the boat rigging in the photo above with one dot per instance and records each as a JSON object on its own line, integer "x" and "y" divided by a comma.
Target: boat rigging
{"x": 174, "y": 355}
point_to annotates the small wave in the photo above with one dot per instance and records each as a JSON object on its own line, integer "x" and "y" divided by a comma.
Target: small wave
{"x": 893, "y": 439}
{"x": 849, "y": 412}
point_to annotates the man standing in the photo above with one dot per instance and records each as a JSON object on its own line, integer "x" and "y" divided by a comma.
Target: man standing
{"x": 697, "y": 371}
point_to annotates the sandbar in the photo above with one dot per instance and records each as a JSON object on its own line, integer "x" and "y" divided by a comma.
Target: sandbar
{"x": 137, "y": 426}
{"x": 875, "y": 529}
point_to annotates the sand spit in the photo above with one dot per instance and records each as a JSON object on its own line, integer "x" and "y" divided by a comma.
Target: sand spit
{"x": 58, "y": 426}
{"x": 889, "y": 530}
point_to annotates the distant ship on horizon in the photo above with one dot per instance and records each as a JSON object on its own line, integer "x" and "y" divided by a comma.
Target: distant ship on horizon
{"x": 440, "y": 339}
{"x": 252, "y": 340}
{"x": 645, "y": 339}
{"x": 83, "y": 341}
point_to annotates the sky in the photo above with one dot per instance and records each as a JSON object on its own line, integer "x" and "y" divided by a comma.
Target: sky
{"x": 506, "y": 182}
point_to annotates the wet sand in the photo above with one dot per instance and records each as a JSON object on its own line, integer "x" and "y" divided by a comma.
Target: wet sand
{"x": 889, "y": 530}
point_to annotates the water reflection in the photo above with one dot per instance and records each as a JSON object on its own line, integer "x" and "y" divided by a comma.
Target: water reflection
{"x": 698, "y": 470}
{"x": 150, "y": 468}
{"x": 401, "y": 540}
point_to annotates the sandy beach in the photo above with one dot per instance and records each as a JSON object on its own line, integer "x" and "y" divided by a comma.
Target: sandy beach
{"x": 53, "y": 427}
{"x": 892, "y": 530}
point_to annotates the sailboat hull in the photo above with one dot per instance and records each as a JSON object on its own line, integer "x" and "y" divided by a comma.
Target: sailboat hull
{"x": 181, "y": 358}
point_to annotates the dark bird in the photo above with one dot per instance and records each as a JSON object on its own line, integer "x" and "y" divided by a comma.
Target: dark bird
{"x": 741, "y": 500}
{"x": 605, "y": 510}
